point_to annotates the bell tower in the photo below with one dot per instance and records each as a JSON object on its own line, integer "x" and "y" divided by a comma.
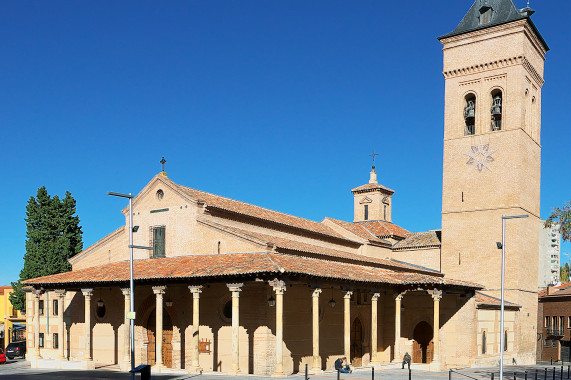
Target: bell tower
{"x": 493, "y": 70}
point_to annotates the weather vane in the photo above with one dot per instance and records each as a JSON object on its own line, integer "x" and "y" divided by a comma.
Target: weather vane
{"x": 163, "y": 161}
{"x": 374, "y": 155}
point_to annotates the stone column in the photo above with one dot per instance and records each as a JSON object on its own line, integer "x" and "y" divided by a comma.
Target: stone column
{"x": 37, "y": 294}
{"x": 159, "y": 293}
{"x": 315, "y": 316}
{"x": 279, "y": 287}
{"x": 126, "y": 328}
{"x": 347, "y": 324}
{"x": 195, "y": 290}
{"x": 235, "y": 289}
{"x": 61, "y": 327}
{"x": 87, "y": 293}
{"x": 374, "y": 324}
{"x": 398, "y": 299}
{"x": 436, "y": 296}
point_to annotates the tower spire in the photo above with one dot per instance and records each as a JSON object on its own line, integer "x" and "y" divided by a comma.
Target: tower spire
{"x": 373, "y": 178}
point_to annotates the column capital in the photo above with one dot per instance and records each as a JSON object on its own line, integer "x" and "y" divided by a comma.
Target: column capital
{"x": 87, "y": 293}
{"x": 375, "y": 296}
{"x": 436, "y": 294}
{"x": 159, "y": 290}
{"x": 60, "y": 292}
{"x": 348, "y": 294}
{"x": 235, "y": 288}
{"x": 316, "y": 292}
{"x": 38, "y": 292}
{"x": 126, "y": 291}
{"x": 279, "y": 286}
{"x": 195, "y": 290}
{"x": 399, "y": 296}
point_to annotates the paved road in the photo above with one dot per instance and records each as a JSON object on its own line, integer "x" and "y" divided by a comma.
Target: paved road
{"x": 19, "y": 370}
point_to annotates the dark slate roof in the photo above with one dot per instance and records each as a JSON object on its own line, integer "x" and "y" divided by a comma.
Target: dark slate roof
{"x": 420, "y": 240}
{"x": 504, "y": 11}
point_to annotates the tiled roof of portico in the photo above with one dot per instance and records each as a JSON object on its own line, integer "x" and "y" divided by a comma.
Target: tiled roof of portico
{"x": 212, "y": 267}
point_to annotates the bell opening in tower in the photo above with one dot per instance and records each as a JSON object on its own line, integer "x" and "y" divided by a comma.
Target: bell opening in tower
{"x": 470, "y": 115}
{"x": 496, "y": 110}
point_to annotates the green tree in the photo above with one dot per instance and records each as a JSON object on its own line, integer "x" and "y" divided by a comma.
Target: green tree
{"x": 53, "y": 235}
{"x": 562, "y": 217}
{"x": 564, "y": 273}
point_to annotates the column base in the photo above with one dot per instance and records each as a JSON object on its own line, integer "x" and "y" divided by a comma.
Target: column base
{"x": 436, "y": 366}
{"x": 125, "y": 367}
{"x": 195, "y": 370}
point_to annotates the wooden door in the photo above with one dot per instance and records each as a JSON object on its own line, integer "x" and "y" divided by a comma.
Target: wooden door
{"x": 423, "y": 347}
{"x": 151, "y": 328}
{"x": 167, "y": 339}
{"x": 357, "y": 343}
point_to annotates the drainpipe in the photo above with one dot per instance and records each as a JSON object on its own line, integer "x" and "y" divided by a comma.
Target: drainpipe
{"x": 47, "y": 315}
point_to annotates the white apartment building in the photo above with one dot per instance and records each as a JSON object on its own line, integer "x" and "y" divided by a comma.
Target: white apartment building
{"x": 549, "y": 255}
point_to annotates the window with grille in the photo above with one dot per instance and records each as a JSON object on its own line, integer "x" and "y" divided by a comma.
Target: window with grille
{"x": 483, "y": 342}
{"x": 366, "y": 212}
{"x": 41, "y": 307}
{"x": 41, "y": 339}
{"x": 158, "y": 234}
{"x": 506, "y": 340}
{"x": 56, "y": 342}
{"x": 55, "y": 308}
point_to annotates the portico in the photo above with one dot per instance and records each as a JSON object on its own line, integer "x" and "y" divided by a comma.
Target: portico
{"x": 243, "y": 323}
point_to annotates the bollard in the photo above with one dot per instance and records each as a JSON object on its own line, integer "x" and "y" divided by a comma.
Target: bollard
{"x": 492, "y": 376}
{"x": 514, "y": 376}
{"x": 338, "y": 375}
{"x": 568, "y": 370}
{"x": 525, "y": 375}
{"x": 409, "y": 374}
{"x": 373, "y": 373}
{"x": 450, "y": 375}
{"x": 306, "y": 377}
{"x": 536, "y": 374}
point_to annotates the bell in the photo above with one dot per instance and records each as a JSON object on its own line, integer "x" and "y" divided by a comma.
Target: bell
{"x": 470, "y": 110}
{"x": 497, "y": 106}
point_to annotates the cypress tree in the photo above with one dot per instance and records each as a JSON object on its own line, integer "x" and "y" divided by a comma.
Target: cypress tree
{"x": 53, "y": 235}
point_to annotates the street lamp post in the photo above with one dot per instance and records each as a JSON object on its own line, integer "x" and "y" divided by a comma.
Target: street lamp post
{"x": 502, "y": 334}
{"x": 131, "y": 284}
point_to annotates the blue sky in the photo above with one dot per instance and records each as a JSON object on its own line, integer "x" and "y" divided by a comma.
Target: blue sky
{"x": 274, "y": 103}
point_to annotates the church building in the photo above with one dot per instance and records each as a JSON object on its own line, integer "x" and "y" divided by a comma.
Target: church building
{"x": 236, "y": 288}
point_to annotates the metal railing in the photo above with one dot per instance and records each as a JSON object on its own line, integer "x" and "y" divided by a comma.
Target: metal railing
{"x": 555, "y": 331}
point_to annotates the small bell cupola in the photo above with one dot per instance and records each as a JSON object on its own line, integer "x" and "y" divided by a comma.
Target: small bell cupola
{"x": 372, "y": 201}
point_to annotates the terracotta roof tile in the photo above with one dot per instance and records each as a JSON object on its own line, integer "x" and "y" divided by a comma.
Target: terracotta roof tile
{"x": 357, "y": 229}
{"x": 293, "y": 245}
{"x": 564, "y": 285}
{"x": 384, "y": 229}
{"x": 217, "y": 201}
{"x": 216, "y": 266}
{"x": 484, "y": 299}
{"x": 419, "y": 240}
{"x": 371, "y": 187}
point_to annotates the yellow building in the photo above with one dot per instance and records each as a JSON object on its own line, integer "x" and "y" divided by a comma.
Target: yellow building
{"x": 12, "y": 321}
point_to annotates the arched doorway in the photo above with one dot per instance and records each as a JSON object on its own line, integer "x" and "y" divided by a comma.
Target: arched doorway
{"x": 423, "y": 346}
{"x": 167, "y": 339}
{"x": 356, "y": 343}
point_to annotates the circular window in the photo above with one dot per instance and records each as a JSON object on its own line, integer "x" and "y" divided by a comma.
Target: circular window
{"x": 227, "y": 310}
{"x": 160, "y": 194}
